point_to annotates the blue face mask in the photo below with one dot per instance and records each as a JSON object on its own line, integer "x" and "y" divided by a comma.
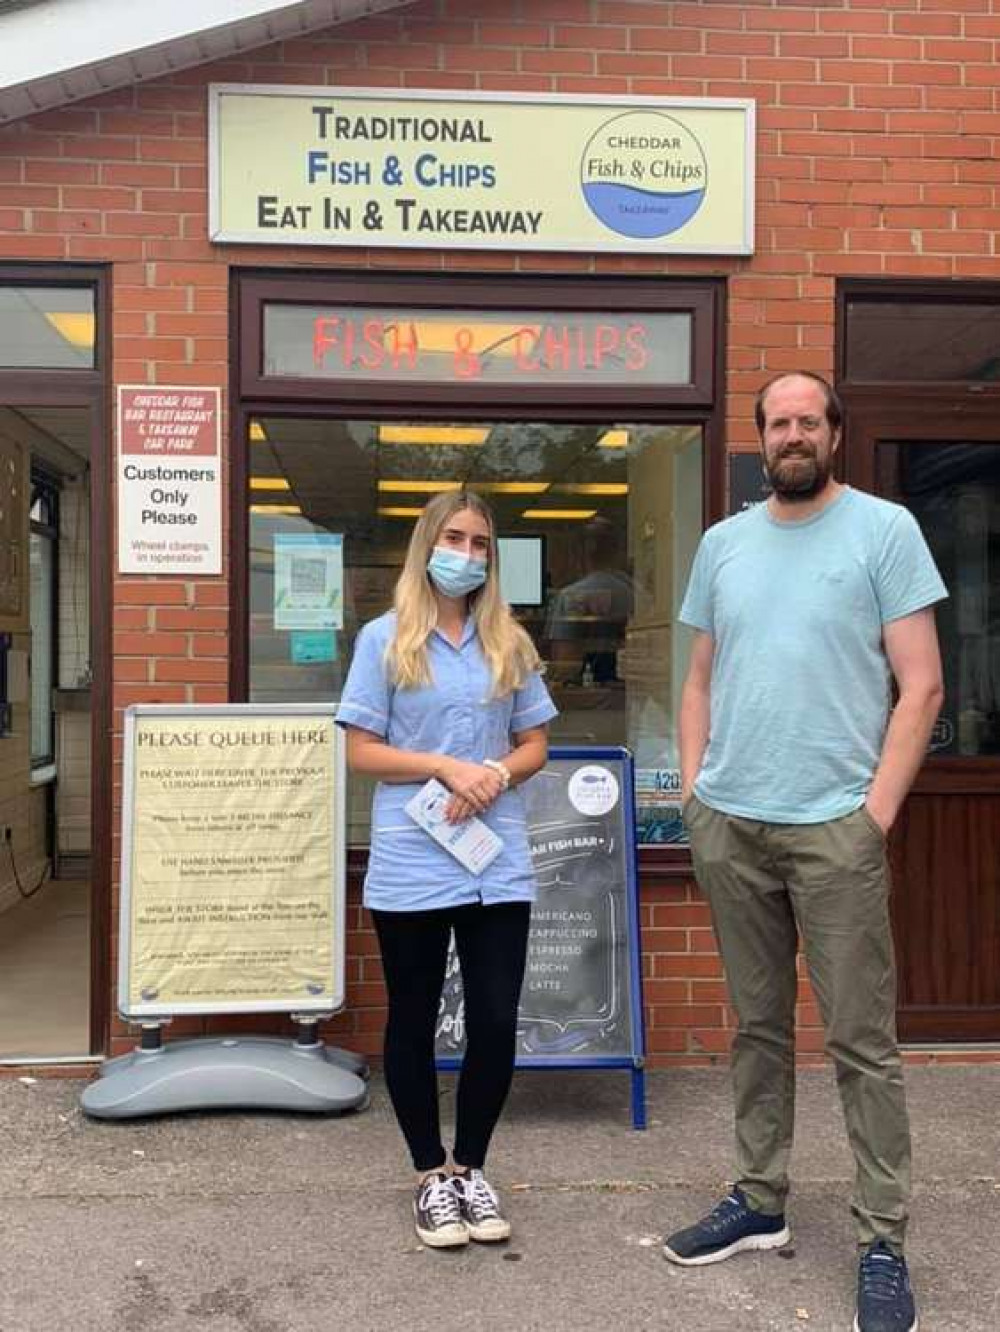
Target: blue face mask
{"x": 455, "y": 574}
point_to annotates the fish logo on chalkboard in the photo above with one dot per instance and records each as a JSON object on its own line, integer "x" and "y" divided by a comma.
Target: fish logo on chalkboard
{"x": 593, "y": 790}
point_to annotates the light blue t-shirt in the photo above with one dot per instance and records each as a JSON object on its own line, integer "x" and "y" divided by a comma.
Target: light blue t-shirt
{"x": 456, "y": 715}
{"x": 800, "y": 685}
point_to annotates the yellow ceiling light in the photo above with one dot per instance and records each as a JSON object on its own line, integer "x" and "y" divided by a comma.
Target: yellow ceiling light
{"x": 591, "y": 488}
{"x": 417, "y": 487}
{"x": 272, "y": 509}
{"x": 569, "y": 515}
{"x": 460, "y": 435}
{"x": 398, "y": 511}
{"x": 258, "y": 435}
{"x": 403, "y": 487}
{"x": 76, "y": 327}
{"x": 613, "y": 439}
{"x": 269, "y": 483}
{"x": 510, "y": 487}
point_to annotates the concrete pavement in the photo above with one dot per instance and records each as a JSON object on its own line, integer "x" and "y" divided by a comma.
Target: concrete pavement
{"x": 278, "y": 1223}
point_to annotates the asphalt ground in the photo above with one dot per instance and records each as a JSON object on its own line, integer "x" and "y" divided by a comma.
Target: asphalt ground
{"x": 291, "y": 1223}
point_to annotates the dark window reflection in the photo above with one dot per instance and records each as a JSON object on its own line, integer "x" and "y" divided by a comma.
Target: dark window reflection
{"x": 953, "y": 490}
{"x": 922, "y": 341}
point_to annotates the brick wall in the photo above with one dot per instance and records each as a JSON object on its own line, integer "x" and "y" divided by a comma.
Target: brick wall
{"x": 877, "y": 155}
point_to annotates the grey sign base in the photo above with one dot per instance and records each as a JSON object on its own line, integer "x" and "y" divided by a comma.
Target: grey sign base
{"x": 228, "y": 1073}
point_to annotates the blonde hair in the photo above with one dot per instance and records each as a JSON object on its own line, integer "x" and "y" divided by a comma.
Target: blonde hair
{"x": 509, "y": 651}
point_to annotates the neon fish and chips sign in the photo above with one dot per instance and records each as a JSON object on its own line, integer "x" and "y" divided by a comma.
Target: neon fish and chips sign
{"x": 357, "y": 342}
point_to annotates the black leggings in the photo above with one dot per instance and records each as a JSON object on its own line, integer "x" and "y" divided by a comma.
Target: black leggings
{"x": 492, "y": 945}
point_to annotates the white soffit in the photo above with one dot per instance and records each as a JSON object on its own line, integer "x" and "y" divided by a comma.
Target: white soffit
{"x": 57, "y": 51}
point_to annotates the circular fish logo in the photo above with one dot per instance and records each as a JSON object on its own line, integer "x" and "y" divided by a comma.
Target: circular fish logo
{"x": 593, "y": 790}
{"x": 644, "y": 174}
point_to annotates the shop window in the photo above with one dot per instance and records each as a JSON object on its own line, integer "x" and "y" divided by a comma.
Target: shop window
{"x": 43, "y": 561}
{"x": 921, "y": 339}
{"x": 585, "y": 411}
{"x": 921, "y": 382}
{"x": 953, "y": 490}
{"x": 47, "y": 328}
{"x": 598, "y": 524}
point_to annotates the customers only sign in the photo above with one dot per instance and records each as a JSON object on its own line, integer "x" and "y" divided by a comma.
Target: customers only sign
{"x": 322, "y": 166}
{"x": 169, "y": 480}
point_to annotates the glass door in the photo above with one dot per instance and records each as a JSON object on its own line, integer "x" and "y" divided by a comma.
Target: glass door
{"x": 46, "y": 914}
{"x": 945, "y": 850}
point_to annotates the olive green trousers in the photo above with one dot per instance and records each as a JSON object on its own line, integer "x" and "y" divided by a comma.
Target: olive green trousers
{"x": 827, "y": 884}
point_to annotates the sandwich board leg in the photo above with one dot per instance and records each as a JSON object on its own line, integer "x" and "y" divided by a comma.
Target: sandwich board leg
{"x": 638, "y": 1096}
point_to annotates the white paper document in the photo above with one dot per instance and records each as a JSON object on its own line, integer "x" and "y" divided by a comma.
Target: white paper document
{"x": 471, "y": 843}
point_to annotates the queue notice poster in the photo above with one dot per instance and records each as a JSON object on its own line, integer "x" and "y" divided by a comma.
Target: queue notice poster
{"x": 233, "y": 856}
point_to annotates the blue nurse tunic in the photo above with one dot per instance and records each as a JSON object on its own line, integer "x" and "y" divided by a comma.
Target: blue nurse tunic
{"x": 456, "y": 715}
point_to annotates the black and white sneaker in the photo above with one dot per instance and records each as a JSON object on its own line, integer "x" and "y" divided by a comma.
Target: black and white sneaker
{"x": 885, "y": 1300}
{"x": 437, "y": 1214}
{"x": 481, "y": 1207}
{"x": 730, "y": 1227}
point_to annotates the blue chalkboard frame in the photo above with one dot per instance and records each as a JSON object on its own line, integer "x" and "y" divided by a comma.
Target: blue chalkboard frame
{"x": 635, "y": 1060}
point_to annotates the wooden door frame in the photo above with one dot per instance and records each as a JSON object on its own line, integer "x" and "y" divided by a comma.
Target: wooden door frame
{"x": 910, "y": 413}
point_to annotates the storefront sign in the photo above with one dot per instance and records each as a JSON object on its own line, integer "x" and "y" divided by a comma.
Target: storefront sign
{"x": 232, "y": 861}
{"x": 497, "y": 347}
{"x": 309, "y": 166}
{"x": 169, "y": 481}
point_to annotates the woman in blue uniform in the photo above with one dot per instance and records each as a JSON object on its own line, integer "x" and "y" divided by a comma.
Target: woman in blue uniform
{"x": 447, "y": 685}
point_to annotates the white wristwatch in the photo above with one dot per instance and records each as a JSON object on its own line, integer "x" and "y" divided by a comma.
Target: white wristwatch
{"x": 500, "y": 769}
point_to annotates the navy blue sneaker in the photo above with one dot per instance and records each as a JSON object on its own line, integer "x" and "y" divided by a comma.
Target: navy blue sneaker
{"x": 729, "y": 1228}
{"x": 885, "y": 1300}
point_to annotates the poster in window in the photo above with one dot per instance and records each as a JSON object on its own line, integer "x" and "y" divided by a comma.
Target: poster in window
{"x": 308, "y": 580}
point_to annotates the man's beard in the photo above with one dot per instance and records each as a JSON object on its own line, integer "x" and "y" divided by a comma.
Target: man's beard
{"x": 798, "y": 475}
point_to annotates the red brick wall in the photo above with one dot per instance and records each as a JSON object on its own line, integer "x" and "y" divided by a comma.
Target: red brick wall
{"x": 877, "y": 155}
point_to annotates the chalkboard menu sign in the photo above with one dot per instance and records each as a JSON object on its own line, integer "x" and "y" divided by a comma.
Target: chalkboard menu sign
{"x": 581, "y": 1003}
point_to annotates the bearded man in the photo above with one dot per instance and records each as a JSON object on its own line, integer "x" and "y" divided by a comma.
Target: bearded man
{"x": 794, "y": 766}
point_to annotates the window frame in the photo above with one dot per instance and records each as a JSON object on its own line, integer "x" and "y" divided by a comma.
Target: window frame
{"x": 902, "y": 291}
{"x": 26, "y": 276}
{"x": 253, "y": 394}
{"x": 46, "y": 488}
{"x": 89, "y": 388}
{"x": 904, "y": 410}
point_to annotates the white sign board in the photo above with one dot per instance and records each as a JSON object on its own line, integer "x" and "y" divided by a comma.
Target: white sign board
{"x": 169, "y": 480}
{"x": 233, "y": 860}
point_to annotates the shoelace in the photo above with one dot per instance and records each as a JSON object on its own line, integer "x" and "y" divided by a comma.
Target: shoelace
{"x": 440, "y": 1200}
{"x": 882, "y": 1274}
{"x": 479, "y": 1194}
{"x": 723, "y": 1212}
